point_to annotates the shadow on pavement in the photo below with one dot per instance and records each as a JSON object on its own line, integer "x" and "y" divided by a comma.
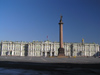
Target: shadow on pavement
{"x": 46, "y": 66}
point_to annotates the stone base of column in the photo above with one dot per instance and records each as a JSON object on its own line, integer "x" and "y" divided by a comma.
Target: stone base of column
{"x": 61, "y": 52}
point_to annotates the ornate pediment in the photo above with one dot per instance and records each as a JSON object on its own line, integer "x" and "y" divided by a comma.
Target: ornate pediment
{"x": 47, "y": 42}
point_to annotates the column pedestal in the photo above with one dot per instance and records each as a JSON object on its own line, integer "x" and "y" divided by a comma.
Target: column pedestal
{"x": 61, "y": 52}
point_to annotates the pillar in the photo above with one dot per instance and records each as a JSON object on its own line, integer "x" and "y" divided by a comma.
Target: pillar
{"x": 2, "y": 49}
{"x": 20, "y": 49}
{"x": 51, "y": 50}
{"x": 85, "y": 50}
{"x": 13, "y": 49}
{"x": 33, "y": 50}
{"x": 61, "y": 49}
{"x": 41, "y": 50}
{"x": 90, "y": 50}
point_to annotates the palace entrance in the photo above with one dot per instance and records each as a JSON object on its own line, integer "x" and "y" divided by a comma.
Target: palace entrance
{"x": 10, "y": 53}
{"x": 52, "y": 53}
{"x": 48, "y": 54}
{"x": 43, "y": 53}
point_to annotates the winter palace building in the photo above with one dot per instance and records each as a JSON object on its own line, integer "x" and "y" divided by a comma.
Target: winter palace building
{"x": 47, "y": 48}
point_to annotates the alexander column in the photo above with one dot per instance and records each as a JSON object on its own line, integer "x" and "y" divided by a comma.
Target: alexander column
{"x": 61, "y": 49}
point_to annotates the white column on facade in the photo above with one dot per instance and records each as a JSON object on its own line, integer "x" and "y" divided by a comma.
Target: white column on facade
{"x": 50, "y": 49}
{"x": 46, "y": 54}
{"x": 54, "y": 50}
{"x": 32, "y": 49}
{"x": 35, "y": 50}
{"x": 90, "y": 50}
{"x": 47, "y": 47}
{"x": 67, "y": 51}
{"x": 20, "y": 49}
{"x": 12, "y": 48}
{"x": 98, "y": 51}
{"x": 76, "y": 49}
{"x": 29, "y": 50}
{"x": 98, "y": 48}
{"x": 73, "y": 50}
{"x": 95, "y": 49}
{"x": 8, "y": 50}
{"x": 44, "y": 47}
{"x": 84, "y": 50}
{"x": 64, "y": 46}
{"x": 41, "y": 49}
{"x": 2, "y": 49}
{"x": 8, "y": 47}
{"x": 81, "y": 50}
{"x": 45, "y": 50}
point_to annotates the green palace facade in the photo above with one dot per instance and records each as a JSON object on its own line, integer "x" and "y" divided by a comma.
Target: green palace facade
{"x": 47, "y": 48}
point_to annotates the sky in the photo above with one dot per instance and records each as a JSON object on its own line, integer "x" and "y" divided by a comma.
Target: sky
{"x": 28, "y": 20}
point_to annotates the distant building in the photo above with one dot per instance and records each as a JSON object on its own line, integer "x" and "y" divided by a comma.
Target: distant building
{"x": 47, "y": 48}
